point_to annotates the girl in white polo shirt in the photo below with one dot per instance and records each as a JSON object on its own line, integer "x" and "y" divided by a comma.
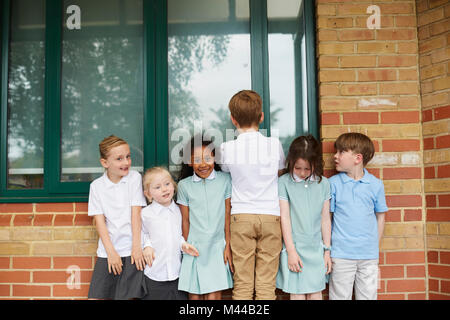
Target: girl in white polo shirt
{"x": 115, "y": 201}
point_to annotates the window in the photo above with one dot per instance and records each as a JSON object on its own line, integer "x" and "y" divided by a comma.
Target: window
{"x": 147, "y": 71}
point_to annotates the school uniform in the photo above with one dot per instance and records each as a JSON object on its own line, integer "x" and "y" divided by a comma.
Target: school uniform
{"x": 162, "y": 231}
{"x": 206, "y": 201}
{"x": 114, "y": 201}
{"x": 354, "y": 235}
{"x": 253, "y": 161}
{"x": 306, "y": 199}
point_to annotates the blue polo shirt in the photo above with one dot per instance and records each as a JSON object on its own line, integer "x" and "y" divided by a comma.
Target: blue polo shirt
{"x": 354, "y": 233}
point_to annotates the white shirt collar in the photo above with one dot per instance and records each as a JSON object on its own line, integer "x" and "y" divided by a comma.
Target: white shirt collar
{"x": 109, "y": 183}
{"x": 157, "y": 208}
{"x": 297, "y": 179}
{"x": 211, "y": 176}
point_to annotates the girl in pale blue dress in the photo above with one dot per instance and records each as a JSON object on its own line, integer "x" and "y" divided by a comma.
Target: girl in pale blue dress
{"x": 305, "y": 222}
{"x": 204, "y": 195}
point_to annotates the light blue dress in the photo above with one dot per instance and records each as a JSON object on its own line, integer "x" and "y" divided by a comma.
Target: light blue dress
{"x": 206, "y": 201}
{"x": 306, "y": 200}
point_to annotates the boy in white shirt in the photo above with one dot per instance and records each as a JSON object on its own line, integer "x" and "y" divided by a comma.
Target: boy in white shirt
{"x": 254, "y": 162}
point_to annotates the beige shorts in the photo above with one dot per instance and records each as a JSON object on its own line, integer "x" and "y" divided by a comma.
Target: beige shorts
{"x": 362, "y": 273}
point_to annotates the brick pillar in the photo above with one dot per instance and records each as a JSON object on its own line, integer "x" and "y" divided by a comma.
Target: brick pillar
{"x": 369, "y": 83}
{"x": 434, "y": 49}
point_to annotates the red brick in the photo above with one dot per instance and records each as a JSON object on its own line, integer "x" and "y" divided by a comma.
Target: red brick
{"x": 443, "y": 142}
{"x": 391, "y": 297}
{"x": 415, "y": 271}
{"x": 65, "y": 262}
{"x": 54, "y": 207}
{"x": 5, "y": 219}
{"x": 427, "y": 115}
{"x": 64, "y": 291}
{"x": 405, "y": 257}
{"x": 361, "y": 118}
{"x": 14, "y": 276}
{"x": 428, "y": 143}
{"x": 23, "y": 219}
{"x": 439, "y": 271}
{"x": 433, "y": 257}
{"x": 391, "y": 272}
{"x": 429, "y": 172}
{"x": 417, "y": 296}
{"x": 393, "y": 216}
{"x": 374, "y": 171}
{"x": 437, "y": 215}
{"x": 401, "y": 173}
{"x": 5, "y": 290}
{"x": 83, "y": 220}
{"x": 59, "y": 276}
{"x": 16, "y": 207}
{"x": 443, "y": 171}
{"x": 43, "y": 220}
{"x": 430, "y": 200}
{"x": 4, "y": 262}
{"x": 433, "y": 285}
{"x": 413, "y": 215}
{"x": 31, "y": 262}
{"x": 405, "y": 285}
{"x": 442, "y": 113}
{"x": 400, "y": 117}
{"x": 401, "y": 145}
{"x": 404, "y": 201}
{"x": 81, "y": 207}
{"x": 31, "y": 291}
{"x": 329, "y": 118}
{"x": 444, "y": 200}
{"x": 396, "y": 34}
{"x": 444, "y": 257}
{"x": 63, "y": 220}
{"x": 327, "y": 147}
{"x": 445, "y": 286}
{"x": 436, "y": 296}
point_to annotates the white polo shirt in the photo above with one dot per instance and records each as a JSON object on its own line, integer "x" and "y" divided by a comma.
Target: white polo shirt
{"x": 114, "y": 201}
{"x": 162, "y": 231}
{"x": 253, "y": 161}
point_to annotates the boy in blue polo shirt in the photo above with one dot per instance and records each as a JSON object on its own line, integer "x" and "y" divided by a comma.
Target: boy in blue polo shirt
{"x": 358, "y": 204}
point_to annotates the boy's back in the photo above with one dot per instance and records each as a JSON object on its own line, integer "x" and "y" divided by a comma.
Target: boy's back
{"x": 253, "y": 161}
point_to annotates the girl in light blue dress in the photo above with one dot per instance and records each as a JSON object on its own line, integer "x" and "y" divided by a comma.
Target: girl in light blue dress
{"x": 305, "y": 222}
{"x": 204, "y": 194}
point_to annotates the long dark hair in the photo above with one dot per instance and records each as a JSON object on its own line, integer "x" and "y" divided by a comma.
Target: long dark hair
{"x": 186, "y": 170}
{"x": 309, "y": 149}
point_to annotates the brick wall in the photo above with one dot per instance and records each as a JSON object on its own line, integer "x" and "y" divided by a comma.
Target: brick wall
{"x": 434, "y": 51}
{"x": 369, "y": 83}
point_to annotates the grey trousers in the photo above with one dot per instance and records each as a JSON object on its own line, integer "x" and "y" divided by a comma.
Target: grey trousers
{"x": 362, "y": 273}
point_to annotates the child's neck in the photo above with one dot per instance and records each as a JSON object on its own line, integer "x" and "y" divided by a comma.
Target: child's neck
{"x": 247, "y": 129}
{"x": 357, "y": 173}
{"x": 113, "y": 178}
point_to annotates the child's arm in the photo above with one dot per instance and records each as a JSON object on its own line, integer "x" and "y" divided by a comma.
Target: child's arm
{"x": 227, "y": 257}
{"x": 136, "y": 251}
{"x": 185, "y": 221}
{"x": 326, "y": 233}
{"x": 114, "y": 260}
{"x": 294, "y": 262}
{"x": 380, "y": 222}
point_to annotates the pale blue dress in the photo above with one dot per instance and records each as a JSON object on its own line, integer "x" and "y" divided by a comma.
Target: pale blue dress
{"x": 306, "y": 200}
{"x": 206, "y": 201}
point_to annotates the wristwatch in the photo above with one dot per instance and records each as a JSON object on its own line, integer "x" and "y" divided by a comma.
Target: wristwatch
{"x": 325, "y": 248}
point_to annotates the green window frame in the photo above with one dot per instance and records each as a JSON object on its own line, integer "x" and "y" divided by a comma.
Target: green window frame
{"x": 156, "y": 131}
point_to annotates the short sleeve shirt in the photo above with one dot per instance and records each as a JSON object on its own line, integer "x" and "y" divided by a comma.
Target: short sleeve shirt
{"x": 114, "y": 201}
{"x": 253, "y": 161}
{"x": 354, "y": 204}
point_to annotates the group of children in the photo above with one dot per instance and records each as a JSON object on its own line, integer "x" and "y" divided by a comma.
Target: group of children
{"x": 245, "y": 218}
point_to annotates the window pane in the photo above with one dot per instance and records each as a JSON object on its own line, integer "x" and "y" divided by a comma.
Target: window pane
{"x": 285, "y": 69}
{"x": 26, "y": 71}
{"x": 101, "y": 85}
{"x": 209, "y": 61}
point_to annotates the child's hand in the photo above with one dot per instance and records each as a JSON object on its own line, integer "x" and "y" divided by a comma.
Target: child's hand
{"x": 149, "y": 255}
{"x": 295, "y": 264}
{"x": 327, "y": 259}
{"x": 137, "y": 257}
{"x": 114, "y": 263}
{"x": 227, "y": 257}
{"x": 189, "y": 249}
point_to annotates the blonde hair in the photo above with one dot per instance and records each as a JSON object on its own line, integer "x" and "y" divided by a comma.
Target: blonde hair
{"x": 150, "y": 174}
{"x": 108, "y": 143}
